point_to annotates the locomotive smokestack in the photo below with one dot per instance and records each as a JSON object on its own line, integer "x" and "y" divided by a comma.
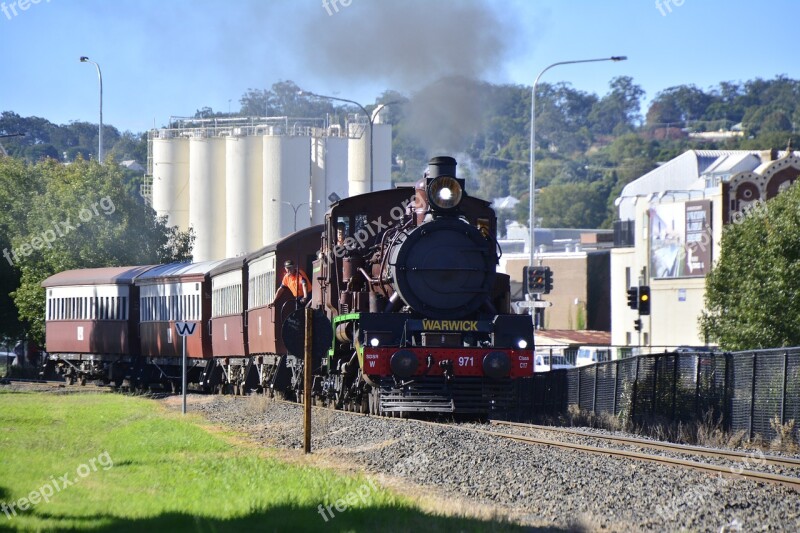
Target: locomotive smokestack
{"x": 442, "y": 166}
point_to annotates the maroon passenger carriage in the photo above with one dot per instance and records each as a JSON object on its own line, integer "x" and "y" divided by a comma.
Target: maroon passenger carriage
{"x": 92, "y": 318}
{"x": 118, "y": 324}
{"x": 245, "y": 331}
{"x": 168, "y": 294}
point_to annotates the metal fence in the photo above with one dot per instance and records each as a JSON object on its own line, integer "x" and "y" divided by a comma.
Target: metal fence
{"x": 751, "y": 391}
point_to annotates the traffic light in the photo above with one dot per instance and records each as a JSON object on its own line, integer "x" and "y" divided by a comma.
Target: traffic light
{"x": 633, "y": 297}
{"x": 535, "y": 276}
{"x": 548, "y": 280}
{"x": 637, "y": 324}
{"x": 644, "y": 300}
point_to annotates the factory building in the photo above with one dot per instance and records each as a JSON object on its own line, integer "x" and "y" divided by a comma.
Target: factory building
{"x": 243, "y": 183}
{"x": 669, "y": 232}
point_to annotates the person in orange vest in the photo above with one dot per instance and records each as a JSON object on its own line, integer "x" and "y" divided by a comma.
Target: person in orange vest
{"x": 295, "y": 281}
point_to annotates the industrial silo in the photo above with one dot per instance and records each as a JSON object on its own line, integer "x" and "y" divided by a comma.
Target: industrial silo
{"x": 171, "y": 179}
{"x": 287, "y": 178}
{"x": 328, "y": 173}
{"x": 207, "y": 196}
{"x": 243, "y": 194}
{"x": 382, "y": 157}
{"x": 357, "y": 158}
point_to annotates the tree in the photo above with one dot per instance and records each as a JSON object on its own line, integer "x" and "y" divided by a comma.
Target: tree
{"x": 751, "y": 293}
{"x": 562, "y": 118}
{"x": 283, "y": 99}
{"x": 618, "y": 111}
{"x": 678, "y": 105}
{"x": 77, "y": 216}
{"x": 571, "y": 205}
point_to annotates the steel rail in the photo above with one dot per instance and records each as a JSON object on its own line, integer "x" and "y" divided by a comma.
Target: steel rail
{"x": 788, "y": 481}
{"x": 665, "y": 446}
{"x": 751, "y": 475}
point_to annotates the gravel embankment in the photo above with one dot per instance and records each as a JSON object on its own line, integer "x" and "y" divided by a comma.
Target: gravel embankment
{"x": 754, "y": 461}
{"x": 536, "y": 485}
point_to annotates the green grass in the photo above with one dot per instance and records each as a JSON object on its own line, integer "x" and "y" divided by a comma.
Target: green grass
{"x": 173, "y": 473}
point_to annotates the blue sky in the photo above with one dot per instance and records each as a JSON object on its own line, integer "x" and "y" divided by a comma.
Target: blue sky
{"x": 171, "y": 57}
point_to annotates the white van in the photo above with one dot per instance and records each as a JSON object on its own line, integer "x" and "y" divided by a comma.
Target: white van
{"x": 543, "y": 362}
{"x": 588, "y": 355}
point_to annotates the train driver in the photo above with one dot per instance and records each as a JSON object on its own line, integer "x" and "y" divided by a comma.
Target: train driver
{"x": 295, "y": 281}
{"x": 340, "y": 234}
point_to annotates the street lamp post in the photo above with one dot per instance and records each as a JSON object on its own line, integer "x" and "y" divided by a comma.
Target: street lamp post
{"x": 297, "y": 208}
{"x": 370, "y": 118}
{"x": 533, "y": 138}
{"x": 85, "y": 59}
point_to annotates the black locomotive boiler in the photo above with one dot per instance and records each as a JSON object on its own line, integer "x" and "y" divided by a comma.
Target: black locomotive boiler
{"x": 422, "y": 318}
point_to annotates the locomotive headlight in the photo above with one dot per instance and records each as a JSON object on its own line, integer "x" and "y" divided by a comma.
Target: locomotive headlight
{"x": 374, "y": 342}
{"x": 522, "y": 344}
{"x": 403, "y": 363}
{"x": 496, "y": 365}
{"x": 445, "y": 192}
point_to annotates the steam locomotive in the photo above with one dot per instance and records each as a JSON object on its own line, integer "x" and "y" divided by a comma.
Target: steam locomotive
{"x": 420, "y": 320}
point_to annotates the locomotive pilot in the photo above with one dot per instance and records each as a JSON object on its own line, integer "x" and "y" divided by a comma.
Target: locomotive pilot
{"x": 295, "y": 281}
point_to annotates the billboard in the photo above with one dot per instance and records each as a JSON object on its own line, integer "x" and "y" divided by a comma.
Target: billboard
{"x": 680, "y": 239}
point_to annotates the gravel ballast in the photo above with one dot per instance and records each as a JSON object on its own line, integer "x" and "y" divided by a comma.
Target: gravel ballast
{"x": 535, "y": 485}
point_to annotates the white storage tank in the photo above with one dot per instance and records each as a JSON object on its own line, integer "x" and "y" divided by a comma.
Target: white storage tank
{"x": 382, "y": 154}
{"x": 171, "y": 180}
{"x": 357, "y": 158}
{"x": 207, "y": 197}
{"x": 287, "y": 179}
{"x": 328, "y": 174}
{"x": 243, "y": 194}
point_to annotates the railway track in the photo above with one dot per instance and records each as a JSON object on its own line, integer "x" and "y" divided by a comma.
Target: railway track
{"x": 727, "y": 471}
{"x": 65, "y": 386}
{"x": 733, "y": 455}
